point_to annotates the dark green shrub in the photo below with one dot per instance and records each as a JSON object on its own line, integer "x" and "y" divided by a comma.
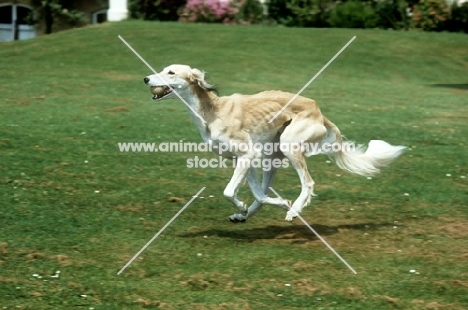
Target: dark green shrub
{"x": 353, "y": 14}
{"x": 459, "y": 19}
{"x": 300, "y": 13}
{"x": 280, "y": 13}
{"x": 251, "y": 11}
{"x": 392, "y": 14}
{"x": 163, "y": 10}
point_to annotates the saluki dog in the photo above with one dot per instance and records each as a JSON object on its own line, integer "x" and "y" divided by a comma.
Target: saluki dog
{"x": 246, "y": 119}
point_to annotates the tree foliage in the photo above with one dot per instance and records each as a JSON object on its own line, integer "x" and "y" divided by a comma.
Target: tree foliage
{"x": 50, "y": 11}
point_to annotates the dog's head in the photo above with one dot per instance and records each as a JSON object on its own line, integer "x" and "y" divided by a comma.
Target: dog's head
{"x": 179, "y": 78}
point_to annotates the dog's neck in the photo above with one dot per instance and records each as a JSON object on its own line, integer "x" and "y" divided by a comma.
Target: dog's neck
{"x": 203, "y": 103}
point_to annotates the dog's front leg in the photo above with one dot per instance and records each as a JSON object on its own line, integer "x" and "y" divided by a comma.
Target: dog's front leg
{"x": 238, "y": 178}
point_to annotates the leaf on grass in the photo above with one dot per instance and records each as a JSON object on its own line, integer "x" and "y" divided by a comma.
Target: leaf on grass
{"x": 176, "y": 199}
{"x": 390, "y": 299}
{"x": 35, "y": 255}
{"x": 136, "y": 208}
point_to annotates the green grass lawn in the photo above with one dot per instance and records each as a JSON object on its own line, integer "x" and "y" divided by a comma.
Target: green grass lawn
{"x": 71, "y": 202}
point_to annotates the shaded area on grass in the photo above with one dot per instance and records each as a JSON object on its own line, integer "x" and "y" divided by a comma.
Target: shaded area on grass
{"x": 456, "y": 86}
{"x": 283, "y": 232}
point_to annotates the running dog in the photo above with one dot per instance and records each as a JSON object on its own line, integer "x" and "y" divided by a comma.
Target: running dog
{"x": 254, "y": 120}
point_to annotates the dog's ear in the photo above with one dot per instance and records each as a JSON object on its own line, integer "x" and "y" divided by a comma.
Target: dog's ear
{"x": 198, "y": 78}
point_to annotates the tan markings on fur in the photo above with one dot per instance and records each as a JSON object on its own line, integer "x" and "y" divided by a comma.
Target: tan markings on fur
{"x": 251, "y": 113}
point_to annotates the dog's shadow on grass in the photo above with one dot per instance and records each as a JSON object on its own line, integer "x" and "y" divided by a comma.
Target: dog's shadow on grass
{"x": 294, "y": 231}
{"x": 456, "y": 86}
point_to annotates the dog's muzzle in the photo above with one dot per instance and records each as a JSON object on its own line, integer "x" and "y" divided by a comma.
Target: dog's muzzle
{"x": 158, "y": 92}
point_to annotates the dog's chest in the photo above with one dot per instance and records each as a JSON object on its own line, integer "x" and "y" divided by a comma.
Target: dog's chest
{"x": 220, "y": 143}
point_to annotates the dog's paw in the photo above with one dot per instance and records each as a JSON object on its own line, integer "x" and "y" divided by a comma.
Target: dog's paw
{"x": 291, "y": 215}
{"x": 237, "y": 218}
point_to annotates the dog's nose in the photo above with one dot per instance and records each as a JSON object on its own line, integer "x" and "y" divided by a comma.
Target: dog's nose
{"x": 146, "y": 80}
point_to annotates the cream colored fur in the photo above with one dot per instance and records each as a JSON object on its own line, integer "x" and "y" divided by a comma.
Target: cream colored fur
{"x": 245, "y": 119}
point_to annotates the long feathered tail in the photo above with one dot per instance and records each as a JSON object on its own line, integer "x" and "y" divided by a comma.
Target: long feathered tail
{"x": 355, "y": 158}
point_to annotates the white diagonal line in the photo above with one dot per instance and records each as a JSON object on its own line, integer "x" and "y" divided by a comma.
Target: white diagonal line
{"x": 165, "y": 83}
{"x": 311, "y": 80}
{"x": 160, "y": 231}
{"x": 136, "y": 53}
{"x": 316, "y": 233}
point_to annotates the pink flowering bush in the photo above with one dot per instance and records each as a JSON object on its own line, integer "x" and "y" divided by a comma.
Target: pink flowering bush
{"x": 210, "y": 11}
{"x": 430, "y": 14}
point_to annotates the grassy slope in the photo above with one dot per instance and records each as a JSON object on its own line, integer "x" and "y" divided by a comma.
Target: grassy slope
{"x": 71, "y": 97}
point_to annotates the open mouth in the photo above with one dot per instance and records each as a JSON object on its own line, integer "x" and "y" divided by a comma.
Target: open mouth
{"x": 159, "y": 92}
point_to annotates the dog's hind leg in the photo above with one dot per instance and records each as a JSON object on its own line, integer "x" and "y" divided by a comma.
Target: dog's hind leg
{"x": 298, "y": 162}
{"x": 261, "y": 194}
{"x": 256, "y": 206}
{"x": 301, "y": 130}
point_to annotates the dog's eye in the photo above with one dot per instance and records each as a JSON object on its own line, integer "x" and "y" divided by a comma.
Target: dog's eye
{"x": 171, "y": 72}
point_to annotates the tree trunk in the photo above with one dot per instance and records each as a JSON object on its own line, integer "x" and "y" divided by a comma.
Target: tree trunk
{"x": 49, "y": 18}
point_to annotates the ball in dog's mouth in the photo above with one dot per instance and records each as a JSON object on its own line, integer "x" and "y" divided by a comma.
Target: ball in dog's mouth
{"x": 159, "y": 91}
